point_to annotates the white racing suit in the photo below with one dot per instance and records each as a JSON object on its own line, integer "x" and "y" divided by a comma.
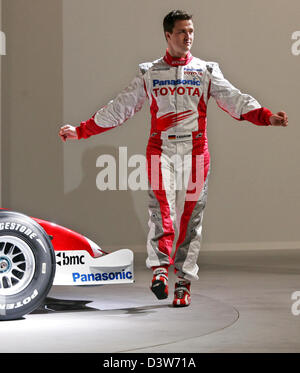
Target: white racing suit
{"x": 178, "y": 159}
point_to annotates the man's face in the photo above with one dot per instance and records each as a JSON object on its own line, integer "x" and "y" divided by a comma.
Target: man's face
{"x": 181, "y": 39}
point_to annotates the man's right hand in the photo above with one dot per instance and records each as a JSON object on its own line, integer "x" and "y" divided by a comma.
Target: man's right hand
{"x": 68, "y": 132}
{"x": 279, "y": 119}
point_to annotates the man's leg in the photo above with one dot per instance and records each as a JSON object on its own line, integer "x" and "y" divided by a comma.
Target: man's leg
{"x": 190, "y": 205}
{"x": 190, "y": 235}
{"x": 162, "y": 218}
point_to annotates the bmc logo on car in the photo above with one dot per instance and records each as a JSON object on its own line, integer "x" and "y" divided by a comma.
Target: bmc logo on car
{"x": 69, "y": 260}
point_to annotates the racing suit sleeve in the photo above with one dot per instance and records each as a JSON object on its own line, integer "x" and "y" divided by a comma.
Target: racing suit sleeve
{"x": 239, "y": 105}
{"x": 117, "y": 111}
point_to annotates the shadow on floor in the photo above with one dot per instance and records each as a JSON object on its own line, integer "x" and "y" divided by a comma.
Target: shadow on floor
{"x": 65, "y": 305}
{"x": 145, "y": 309}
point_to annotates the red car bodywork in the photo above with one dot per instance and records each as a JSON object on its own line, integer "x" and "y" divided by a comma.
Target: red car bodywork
{"x": 64, "y": 239}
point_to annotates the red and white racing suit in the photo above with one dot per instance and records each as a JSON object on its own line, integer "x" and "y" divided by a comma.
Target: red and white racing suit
{"x": 178, "y": 90}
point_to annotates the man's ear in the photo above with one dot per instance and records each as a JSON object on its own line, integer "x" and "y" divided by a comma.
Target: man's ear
{"x": 167, "y": 35}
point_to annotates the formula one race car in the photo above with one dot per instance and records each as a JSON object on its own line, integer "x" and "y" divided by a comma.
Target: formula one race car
{"x": 34, "y": 254}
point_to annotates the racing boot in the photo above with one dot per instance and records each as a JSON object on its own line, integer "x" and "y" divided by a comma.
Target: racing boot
{"x": 182, "y": 293}
{"x": 159, "y": 284}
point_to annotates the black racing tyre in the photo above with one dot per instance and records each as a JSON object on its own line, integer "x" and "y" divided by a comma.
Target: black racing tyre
{"x": 27, "y": 265}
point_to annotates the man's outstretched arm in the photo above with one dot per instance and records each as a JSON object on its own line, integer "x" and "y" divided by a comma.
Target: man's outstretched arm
{"x": 239, "y": 105}
{"x": 115, "y": 113}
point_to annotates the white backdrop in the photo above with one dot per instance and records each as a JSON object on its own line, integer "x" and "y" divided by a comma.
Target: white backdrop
{"x": 253, "y": 199}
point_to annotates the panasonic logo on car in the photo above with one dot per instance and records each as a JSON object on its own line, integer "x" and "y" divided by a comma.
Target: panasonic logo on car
{"x": 92, "y": 277}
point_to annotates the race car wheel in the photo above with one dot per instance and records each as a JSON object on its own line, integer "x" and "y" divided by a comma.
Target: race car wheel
{"x": 27, "y": 265}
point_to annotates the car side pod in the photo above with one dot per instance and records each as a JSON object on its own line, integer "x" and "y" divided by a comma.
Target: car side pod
{"x": 80, "y": 268}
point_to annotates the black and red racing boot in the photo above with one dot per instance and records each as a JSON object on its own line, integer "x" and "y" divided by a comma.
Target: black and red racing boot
{"x": 182, "y": 293}
{"x": 159, "y": 284}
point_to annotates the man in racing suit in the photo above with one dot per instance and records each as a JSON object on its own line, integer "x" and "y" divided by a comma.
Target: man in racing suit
{"x": 178, "y": 87}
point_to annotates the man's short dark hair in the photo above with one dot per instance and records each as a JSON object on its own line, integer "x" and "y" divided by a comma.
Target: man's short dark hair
{"x": 172, "y": 17}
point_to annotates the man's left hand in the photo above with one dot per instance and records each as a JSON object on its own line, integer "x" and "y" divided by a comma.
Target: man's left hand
{"x": 279, "y": 119}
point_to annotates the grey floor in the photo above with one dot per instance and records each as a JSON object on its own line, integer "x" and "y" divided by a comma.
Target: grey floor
{"x": 241, "y": 303}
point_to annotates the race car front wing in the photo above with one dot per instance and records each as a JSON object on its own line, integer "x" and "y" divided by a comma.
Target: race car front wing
{"x": 78, "y": 267}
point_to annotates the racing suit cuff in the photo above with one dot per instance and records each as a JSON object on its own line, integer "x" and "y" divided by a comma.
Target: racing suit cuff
{"x": 89, "y": 128}
{"x": 79, "y": 131}
{"x": 166, "y": 266}
{"x": 260, "y": 117}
